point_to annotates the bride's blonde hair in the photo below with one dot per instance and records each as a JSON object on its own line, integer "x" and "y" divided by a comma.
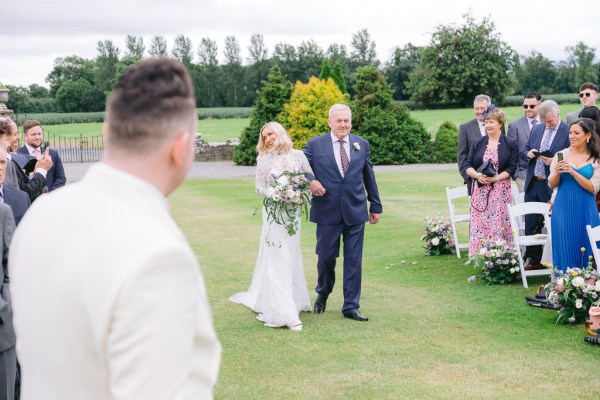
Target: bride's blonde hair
{"x": 283, "y": 144}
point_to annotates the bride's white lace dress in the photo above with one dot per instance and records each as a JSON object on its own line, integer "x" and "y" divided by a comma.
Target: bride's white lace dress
{"x": 278, "y": 291}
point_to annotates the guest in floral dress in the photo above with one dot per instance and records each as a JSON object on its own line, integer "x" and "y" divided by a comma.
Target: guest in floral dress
{"x": 490, "y": 195}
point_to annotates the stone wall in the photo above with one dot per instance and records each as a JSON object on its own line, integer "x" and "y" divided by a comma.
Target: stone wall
{"x": 214, "y": 151}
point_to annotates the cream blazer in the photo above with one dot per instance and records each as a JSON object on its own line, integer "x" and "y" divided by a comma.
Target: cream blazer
{"x": 108, "y": 298}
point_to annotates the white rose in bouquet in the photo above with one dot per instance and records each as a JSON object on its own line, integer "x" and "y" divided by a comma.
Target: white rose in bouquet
{"x": 578, "y": 281}
{"x": 283, "y": 180}
{"x": 435, "y": 241}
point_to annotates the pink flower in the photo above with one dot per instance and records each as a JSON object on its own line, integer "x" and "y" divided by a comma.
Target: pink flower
{"x": 559, "y": 288}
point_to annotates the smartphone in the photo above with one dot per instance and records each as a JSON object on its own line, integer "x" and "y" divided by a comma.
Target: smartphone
{"x": 46, "y": 144}
{"x": 559, "y": 157}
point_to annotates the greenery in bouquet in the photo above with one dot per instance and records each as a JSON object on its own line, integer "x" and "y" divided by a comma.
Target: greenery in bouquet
{"x": 574, "y": 292}
{"x": 497, "y": 260}
{"x": 287, "y": 197}
{"x": 437, "y": 234}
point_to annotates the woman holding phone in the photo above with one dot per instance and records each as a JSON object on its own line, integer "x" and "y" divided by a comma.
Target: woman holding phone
{"x": 575, "y": 172}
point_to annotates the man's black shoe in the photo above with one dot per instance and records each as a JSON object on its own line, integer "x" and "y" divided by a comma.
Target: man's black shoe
{"x": 320, "y": 304}
{"x": 355, "y": 315}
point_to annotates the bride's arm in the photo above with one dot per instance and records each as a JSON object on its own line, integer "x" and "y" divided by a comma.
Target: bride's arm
{"x": 304, "y": 164}
{"x": 262, "y": 172}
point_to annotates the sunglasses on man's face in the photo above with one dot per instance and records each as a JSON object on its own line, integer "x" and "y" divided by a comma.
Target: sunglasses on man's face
{"x": 586, "y": 94}
{"x": 532, "y": 106}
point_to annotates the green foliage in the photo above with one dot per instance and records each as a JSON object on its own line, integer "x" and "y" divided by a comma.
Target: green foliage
{"x": 325, "y": 70}
{"x": 462, "y": 62}
{"x": 276, "y": 92}
{"x": 338, "y": 77}
{"x": 395, "y": 137}
{"x": 446, "y": 144}
{"x": 78, "y": 95}
{"x": 536, "y": 73}
{"x": 582, "y": 57}
{"x": 397, "y": 70}
{"x": 305, "y": 116}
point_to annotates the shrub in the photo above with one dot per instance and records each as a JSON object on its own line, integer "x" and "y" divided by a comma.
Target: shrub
{"x": 305, "y": 115}
{"x": 269, "y": 102}
{"x": 445, "y": 146}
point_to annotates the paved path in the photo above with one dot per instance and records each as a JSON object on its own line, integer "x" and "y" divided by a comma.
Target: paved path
{"x": 228, "y": 169}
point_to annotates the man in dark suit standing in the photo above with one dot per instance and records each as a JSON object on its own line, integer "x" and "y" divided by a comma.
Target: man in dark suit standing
{"x": 552, "y": 136}
{"x": 342, "y": 174}
{"x": 8, "y": 355}
{"x": 588, "y": 94}
{"x": 469, "y": 132}
{"x": 34, "y": 138}
{"x": 520, "y": 131}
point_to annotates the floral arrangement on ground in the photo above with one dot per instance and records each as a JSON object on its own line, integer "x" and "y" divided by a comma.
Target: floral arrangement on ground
{"x": 497, "y": 261}
{"x": 574, "y": 292}
{"x": 287, "y": 196}
{"x": 437, "y": 235}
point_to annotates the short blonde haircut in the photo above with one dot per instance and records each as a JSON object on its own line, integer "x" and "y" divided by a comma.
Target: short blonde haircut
{"x": 497, "y": 115}
{"x": 283, "y": 143}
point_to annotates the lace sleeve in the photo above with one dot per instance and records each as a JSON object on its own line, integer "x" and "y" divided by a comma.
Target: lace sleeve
{"x": 303, "y": 162}
{"x": 262, "y": 172}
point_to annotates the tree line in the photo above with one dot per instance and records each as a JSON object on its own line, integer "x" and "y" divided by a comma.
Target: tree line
{"x": 459, "y": 62}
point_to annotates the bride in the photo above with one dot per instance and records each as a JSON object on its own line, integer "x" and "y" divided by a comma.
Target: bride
{"x": 278, "y": 291}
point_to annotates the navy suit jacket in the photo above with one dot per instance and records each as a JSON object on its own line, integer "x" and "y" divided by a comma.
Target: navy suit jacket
{"x": 18, "y": 201}
{"x": 56, "y": 176}
{"x": 508, "y": 154}
{"x": 345, "y": 199}
{"x": 7, "y": 227}
{"x": 560, "y": 141}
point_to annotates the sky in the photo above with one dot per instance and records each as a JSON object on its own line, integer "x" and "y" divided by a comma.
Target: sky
{"x": 33, "y": 33}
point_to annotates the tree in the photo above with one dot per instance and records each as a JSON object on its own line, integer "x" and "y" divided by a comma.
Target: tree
{"x": 257, "y": 49}
{"x": 395, "y": 137}
{"x": 79, "y": 96}
{"x": 305, "y": 114}
{"x": 363, "y": 49}
{"x": 208, "y": 52}
{"x": 158, "y": 47}
{"x": 325, "y": 70}
{"x": 182, "y": 50}
{"x": 206, "y": 75}
{"x": 70, "y": 68}
{"x": 234, "y": 91}
{"x": 446, "y": 144}
{"x": 310, "y": 56}
{"x": 286, "y": 57}
{"x": 269, "y": 102}
{"x": 37, "y": 92}
{"x": 106, "y": 66}
{"x": 536, "y": 73}
{"x": 258, "y": 70}
{"x": 462, "y": 62}
{"x": 581, "y": 57}
{"x": 397, "y": 70}
{"x": 134, "y": 47}
{"x": 338, "y": 77}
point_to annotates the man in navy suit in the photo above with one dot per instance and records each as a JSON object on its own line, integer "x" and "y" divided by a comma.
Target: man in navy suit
{"x": 520, "y": 130}
{"x": 343, "y": 181}
{"x": 552, "y": 136}
{"x": 15, "y": 198}
{"x": 34, "y": 138}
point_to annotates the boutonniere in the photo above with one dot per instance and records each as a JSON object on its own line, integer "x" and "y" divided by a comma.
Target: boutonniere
{"x": 356, "y": 146}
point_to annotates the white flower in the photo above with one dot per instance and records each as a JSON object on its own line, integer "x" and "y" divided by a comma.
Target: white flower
{"x": 482, "y": 251}
{"x": 435, "y": 241}
{"x": 356, "y": 146}
{"x": 578, "y": 281}
{"x": 560, "y": 281}
{"x": 283, "y": 180}
{"x": 578, "y": 303}
{"x": 598, "y": 285}
{"x": 513, "y": 261}
{"x": 291, "y": 194}
{"x": 270, "y": 192}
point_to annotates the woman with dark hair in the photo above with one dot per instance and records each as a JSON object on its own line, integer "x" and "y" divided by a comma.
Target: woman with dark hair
{"x": 577, "y": 177}
{"x": 593, "y": 113}
{"x": 491, "y": 193}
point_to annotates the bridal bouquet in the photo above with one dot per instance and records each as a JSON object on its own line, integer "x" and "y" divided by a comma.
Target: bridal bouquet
{"x": 287, "y": 196}
{"x": 574, "y": 291}
{"x": 497, "y": 261}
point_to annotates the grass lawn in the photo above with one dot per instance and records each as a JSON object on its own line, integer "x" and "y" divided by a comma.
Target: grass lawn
{"x": 431, "y": 334}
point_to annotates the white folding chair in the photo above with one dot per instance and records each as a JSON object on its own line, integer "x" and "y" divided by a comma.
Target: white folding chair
{"x": 594, "y": 236}
{"x": 517, "y": 197}
{"x": 521, "y": 240}
{"x": 453, "y": 194}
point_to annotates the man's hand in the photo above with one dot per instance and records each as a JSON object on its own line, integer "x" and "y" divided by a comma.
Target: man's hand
{"x": 373, "y": 218}
{"x": 316, "y": 188}
{"x": 530, "y": 154}
{"x": 45, "y": 162}
{"x": 546, "y": 160}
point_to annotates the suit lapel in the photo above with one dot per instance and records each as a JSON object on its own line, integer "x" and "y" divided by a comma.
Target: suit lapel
{"x": 328, "y": 148}
{"x": 557, "y": 142}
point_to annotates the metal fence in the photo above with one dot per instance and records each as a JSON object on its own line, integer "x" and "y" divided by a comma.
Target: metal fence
{"x": 80, "y": 149}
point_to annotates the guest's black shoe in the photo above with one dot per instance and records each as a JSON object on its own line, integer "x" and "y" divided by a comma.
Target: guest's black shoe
{"x": 355, "y": 315}
{"x": 320, "y": 304}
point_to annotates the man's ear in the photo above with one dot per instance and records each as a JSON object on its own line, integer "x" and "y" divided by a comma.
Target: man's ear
{"x": 179, "y": 148}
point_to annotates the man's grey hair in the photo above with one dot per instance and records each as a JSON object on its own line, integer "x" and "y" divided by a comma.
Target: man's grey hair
{"x": 548, "y": 107}
{"x": 339, "y": 107}
{"x": 482, "y": 97}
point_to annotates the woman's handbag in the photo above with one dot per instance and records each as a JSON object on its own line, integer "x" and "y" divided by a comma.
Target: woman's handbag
{"x": 487, "y": 169}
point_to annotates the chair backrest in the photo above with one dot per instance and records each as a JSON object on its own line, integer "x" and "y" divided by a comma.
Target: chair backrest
{"x": 531, "y": 207}
{"x": 594, "y": 236}
{"x": 457, "y": 192}
{"x": 517, "y": 197}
